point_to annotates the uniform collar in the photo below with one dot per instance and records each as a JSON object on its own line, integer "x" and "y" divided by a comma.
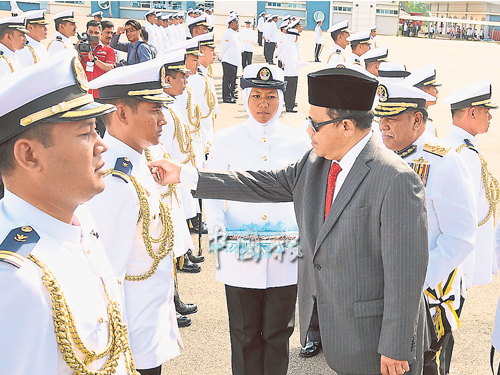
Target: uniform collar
{"x": 203, "y": 69}
{"x": 123, "y": 150}
{"x": 256, "y": 128}
{"x": 463, "y": 134}
{"x": 31, "y": 215}
{"x": 7, "y": 52}
{"x": 32, "y": 42}
{"x": 64, "y": 38}
{"x": 336, "y": 46}
{"x": 422, "y": 140}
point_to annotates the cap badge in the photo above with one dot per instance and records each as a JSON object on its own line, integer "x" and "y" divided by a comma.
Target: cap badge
{"x": 382, "y": 93}
{"x": 265, "y": 74}
{"x": 162, "y": 77}
{"x": 80, "y": 76}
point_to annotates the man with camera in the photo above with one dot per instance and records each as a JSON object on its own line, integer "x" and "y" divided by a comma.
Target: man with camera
{"x": 137, "y": 49}
{"x": 96, "y": 57}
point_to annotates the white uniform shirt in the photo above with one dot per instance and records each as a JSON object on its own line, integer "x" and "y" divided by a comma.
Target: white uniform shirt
{"x": 243, "y": 147}
{"x": 153, "y": 38}
{"x": 5, "y": 68}
{"x": 58, "y": 43}
{"x": 171, "y": 145}
{"x": 273, "y": 32}
{"x": 451, "y": 211}
{"x": 260, "y": 24}
{"x": 354, "y": 59}
{"x": 159, "y": 38}
{"x": 230, "y": 48}
{"x": 480, "y": 265}
{"x": 336, "y": 56}
{"x": 77, "y": 260}
{"x": 290, "y": 57}
{"x": 26, "y": 55}
{"x": 495, "y": 340}
{"x": 154, "y": 336}
{"x": 280, "y": 45}
{"x": 319, "y": 39}
{"x": 247, "y": 37}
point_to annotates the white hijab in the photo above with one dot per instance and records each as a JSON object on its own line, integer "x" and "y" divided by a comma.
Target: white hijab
{"x": 246, "y": 96}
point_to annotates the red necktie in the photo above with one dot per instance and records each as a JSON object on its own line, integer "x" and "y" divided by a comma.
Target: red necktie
{"x": 332, "y": 178}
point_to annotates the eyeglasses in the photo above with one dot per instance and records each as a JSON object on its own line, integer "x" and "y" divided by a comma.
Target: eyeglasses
{"x": 315, "y": 126}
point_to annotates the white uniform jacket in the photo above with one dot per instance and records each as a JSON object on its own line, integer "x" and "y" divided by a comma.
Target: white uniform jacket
{"x": 159, "y": 38}
{"x": 354, "y": 59}
{"x": 74, "y": 255}
{"x": 247, "y": 37}
{"x": 9, "y": 63}
{"x": 230, "y": 48}
{"x": 451, "y": 207}
{"x": 153, "y": 38}
{"x": 154, "y": 336}
{"x": 495, "y": 340}
{"x": 253, "y": 146}
{"x": 336, "y": 56}
{"x": 58, "y": 43}
{"x": 260, "y": 24}
{"x": 170, "y": 141}
{"x": 318, "y": 35}
{"x": 479, "y": 266}
{"x": 290, "y": 57}
{"x": 32, "y": 52}
{"x": 280, "y": 45}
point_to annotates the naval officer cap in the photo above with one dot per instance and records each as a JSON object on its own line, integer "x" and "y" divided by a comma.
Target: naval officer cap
{"x": 360, "y": 37}
{"x": 396, "y": 98}
{"x": 292, "y": 31}
{"x": 339, "y": 26}
{"x": 36, "y": 17}
{"x": 144, "y": 81}
{"x": 263, "y": 75}
{"x": 232, "y": 17}
{"x": 97, "y": 14}
{"x": 423, "y": 77}
{"x": 373, "y": 28}
{"x": 294, "y": 24}
{"x": 248, "y": 21}
{"x": 341, "y": 88}
{"x": 149, "y": 12}
{"x": 14, "y": 23}
{"x": 64, "y": 16}
{"x": 207, "y": 40}
{"x": 376, "y": 54}
{"x": 60, "y": 95}
{"x": 197, "y": 21}
{"x": 283, "y": 24}
{"x": 392, "y": 71}
{"x": 474, "y": 95}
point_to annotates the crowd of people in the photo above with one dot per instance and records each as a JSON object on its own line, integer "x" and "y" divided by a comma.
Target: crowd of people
{"x": 108, "y": 157}
{"x": 431, "y": 30}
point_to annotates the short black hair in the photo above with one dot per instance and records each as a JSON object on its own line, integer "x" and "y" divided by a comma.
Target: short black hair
{"x": 6, "y": 31}
{"x": 362, "y": 119}
{"x": 42, "y": 132}
{"x": 59, "y": 23}
{"x": 128, "y": 101}
{"x": 171, "y": 72}
{"x": 424, "y": 113}
{"x": 94, "y": 23}
{"x": 107, "y": 25}
{"x": 458, "y": 112}
{"x": 335, "y": 34}
{"x": 135, "y": 24}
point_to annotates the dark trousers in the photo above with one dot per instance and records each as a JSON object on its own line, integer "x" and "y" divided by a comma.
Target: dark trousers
{"x": 317, "y": 50}
{"x": 229, "y": 72}
{"x": 259, "y": 37}
{"x": 260, "y": 324}
{"x": 313, "y": 332}
{"x": 151, "y": 371}
{"x": 291, "y": 92}
{"x": 269, "y": 51}
{"x": 246, "y": 58}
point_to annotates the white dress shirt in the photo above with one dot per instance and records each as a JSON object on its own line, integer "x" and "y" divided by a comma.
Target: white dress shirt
{"x": 260, "y": 24}
{"x": 247, "y": 36}
{"x": 74, "y": 255}
{"x": 154, "y": 336}
{"x": 230, "y": 48}
{"x": 290, "y": 56}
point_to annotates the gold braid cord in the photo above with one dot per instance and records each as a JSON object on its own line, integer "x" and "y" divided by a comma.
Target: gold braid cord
{"x": 183, "y": 138}
{"x": 167, "y": 233}
{"x": 209, "y": 71}
{"x": 11, "y": 67}
{"x": 65, "y": 330}
{"x": 210, "y": 97}
{"x": 491, "y": 186}
{"x": 172, "y": 188}
{"x": 33, "y": 53}
{"x": 195, "y": 122}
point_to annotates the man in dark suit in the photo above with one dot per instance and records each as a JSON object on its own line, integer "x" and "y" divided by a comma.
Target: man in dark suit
{"x": 363, "y": 227}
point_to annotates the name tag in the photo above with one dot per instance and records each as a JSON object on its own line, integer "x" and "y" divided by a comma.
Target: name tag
{"x": 89, "y": 66}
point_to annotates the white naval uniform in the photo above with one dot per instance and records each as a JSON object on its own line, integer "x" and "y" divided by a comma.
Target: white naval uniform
{"x": 198, "y": 83}
{"x": 165, "y": 38}
{"x": 451, "y": 213}
{"x": 77, "y": 260}
{"x": 260, "y": 24}
{"x": 430, "y": 128}
{"x": 230, "y": 48}
{"x": 159, "y": 38}
{"x": 171, "y": 145}
{"x": 9, "y": 63}
{"x": 290, "y": 57}
{"x": 27, "y": 56}
{"x": 280, "y": 45}
{"x": 495, "y": 340}
{"x": 354, "y": 59}
{"x": 154, "y": 335}
{"x": 153, "y": 37}
{"x": 247, "y": 37}
{"x": 253, "y": 146}
{"x": 58, "y": 43}
{"x": 318, "y": 35}
{"x": 336, "y": 56}
{"x": 479, "y": 266}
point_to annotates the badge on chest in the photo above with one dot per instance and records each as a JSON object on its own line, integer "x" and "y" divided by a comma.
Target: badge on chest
{"x": 421, "y": 167}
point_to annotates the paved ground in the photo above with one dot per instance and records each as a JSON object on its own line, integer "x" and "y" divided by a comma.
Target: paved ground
{"x": 207, "y": 349}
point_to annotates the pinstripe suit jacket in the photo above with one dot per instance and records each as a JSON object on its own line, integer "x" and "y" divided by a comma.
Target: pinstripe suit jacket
{"x": 366, "y": 263}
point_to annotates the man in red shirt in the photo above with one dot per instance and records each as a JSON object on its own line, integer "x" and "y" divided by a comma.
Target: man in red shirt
{"x": 101, "y": 59}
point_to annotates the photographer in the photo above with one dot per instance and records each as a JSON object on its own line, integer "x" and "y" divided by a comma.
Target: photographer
{"x": 96, "y": 57}
{"x": 137, "y": 49}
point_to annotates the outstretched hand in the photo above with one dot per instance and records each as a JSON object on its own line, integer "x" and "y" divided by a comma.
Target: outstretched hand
{"x": 166, "y": 171}
{"x": 389, "y": 366}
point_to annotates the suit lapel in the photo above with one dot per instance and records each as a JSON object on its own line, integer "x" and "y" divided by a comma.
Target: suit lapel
{"x": 356, "y": 175}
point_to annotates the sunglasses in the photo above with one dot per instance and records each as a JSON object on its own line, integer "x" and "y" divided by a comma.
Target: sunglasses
{"x": 316, "y": 125}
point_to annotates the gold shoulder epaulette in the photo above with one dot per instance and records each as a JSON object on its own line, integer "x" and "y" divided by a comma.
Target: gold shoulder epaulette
{"x": 434, "y": 148}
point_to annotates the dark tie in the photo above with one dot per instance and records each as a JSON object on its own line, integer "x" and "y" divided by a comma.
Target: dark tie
{"x": 332, "y": 178}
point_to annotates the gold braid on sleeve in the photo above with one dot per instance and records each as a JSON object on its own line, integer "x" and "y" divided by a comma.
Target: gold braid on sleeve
{"x": 65, "y": 330}
{"x": 491, "y": 186}
{"x": 11, "y": 67}
{"x": 183, "y": 138}
{"x": 172, "y": 188}
{"x": 195, "y": 122}
{"x": 33, "y": 53}
{"x": 210, "y": 97}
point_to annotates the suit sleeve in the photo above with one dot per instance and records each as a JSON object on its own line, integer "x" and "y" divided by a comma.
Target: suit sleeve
{"x": 251, "y": 186}
{"x": 404, "y": 246}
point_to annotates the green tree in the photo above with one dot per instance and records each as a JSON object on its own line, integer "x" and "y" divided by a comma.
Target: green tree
{"x": 414, "y": 7}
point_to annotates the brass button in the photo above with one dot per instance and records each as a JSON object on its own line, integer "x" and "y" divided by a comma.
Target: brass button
{"x": 264, "y": 217}
{"x": 88, "y": 252}
{"x": 154, "y": 217}
{"x": 101, "y": 320}
{"x": 263, "y": 140}
{"x": 119, "y": 281}
{"x": 264, "y": 158}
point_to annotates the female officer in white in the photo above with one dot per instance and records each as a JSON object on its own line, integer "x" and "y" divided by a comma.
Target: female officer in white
{"x": 260, "y": 294}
